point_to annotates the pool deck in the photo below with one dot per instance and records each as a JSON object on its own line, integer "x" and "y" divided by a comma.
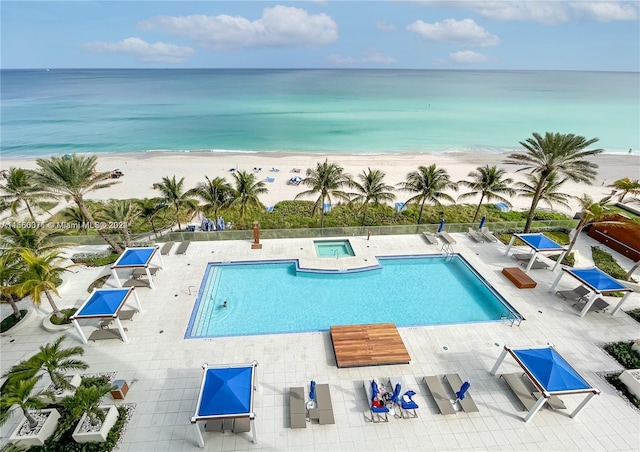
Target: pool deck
{"x": 163, "y": 370}
{"x": 368, "y": 345}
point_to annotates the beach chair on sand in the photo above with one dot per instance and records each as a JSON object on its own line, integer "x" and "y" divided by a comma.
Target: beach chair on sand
{"x": 475, "y": 235}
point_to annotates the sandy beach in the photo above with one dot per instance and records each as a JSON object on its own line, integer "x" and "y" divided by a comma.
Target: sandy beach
{"x": 142, "y": 170}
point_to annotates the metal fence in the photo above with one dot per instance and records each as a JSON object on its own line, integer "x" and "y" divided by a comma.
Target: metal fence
{"x": 231, "y": 234}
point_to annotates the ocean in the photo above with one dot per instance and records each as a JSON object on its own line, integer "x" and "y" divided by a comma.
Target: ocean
{"x": 59, "y": 111}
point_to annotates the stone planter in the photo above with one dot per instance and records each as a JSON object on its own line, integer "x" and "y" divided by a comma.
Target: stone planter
{"x": 25, "y": 321}
{"x": 50, "y": 327}
{"x": 74, "y": 380}
{"x": 85, "y": 432}
{"x": 47, "y": 423}
{"x": 631, "y": 379}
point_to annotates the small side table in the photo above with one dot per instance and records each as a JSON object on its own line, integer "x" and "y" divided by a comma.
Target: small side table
{"x": 120, "y": 389}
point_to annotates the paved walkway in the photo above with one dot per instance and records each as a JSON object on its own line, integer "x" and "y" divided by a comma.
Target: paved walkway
{"x": 165, "y": 369}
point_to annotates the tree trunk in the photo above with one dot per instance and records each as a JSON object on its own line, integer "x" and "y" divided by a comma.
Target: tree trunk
{"x": 126, "y": 236}
{"x": 178, "y": 217}
{"x": 322, "y": 213}
{"x": 83, "y": 208}
{"x": 421, "y": 209}
{"x": 475, "y": 215}
{"x": 534, "y": 202}
{"x": 32, "y": 422}
{"x": 574, "y": 240}
{"x": 627, "y": 277}
{"x": 26, "y": 203}
{"x": 364, "y": 214}
{"x": 624, "y": 193}
{"x": 56, "y": 311}
{"x": 14, "y": 307}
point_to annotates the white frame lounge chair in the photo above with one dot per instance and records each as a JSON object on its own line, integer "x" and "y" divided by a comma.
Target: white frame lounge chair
{"x": 476, "y": 235}
{"x": 488, "y": 235}
{"x": 439, "y": 393}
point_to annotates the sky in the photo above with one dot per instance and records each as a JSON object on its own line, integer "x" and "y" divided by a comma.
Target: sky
{"x": 452, "y": 34}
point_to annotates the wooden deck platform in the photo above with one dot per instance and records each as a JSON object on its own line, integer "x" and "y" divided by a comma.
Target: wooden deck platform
{"x": 368, "y": 345}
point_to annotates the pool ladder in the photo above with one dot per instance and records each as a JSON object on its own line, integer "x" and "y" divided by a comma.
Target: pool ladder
{"x": 335, "y": 253}
{"x": 447, "y": 248}
{"x": 511, "y": 317}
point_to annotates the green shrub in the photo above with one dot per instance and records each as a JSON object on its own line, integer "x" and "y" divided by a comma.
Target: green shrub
{"x": 568, "y": 260}
{"x": 544, "y": 215}
{"x": 605, "y": 262}
{"x": 635, "y": 313}
{"x": 624, "y": 354}
{"x": 95, "y": 259}
{"x": 11, "y": 320}
{"x": 560, "y": 237}
{"x": 64, "y": 320}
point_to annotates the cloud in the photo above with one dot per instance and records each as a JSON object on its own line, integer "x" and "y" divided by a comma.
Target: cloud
{"x": 452, "y": 31}
{"x": 546, "y": 12}
{"x": 279, "y": 26}
{"x": 369, "y": 58}
{"x": 605, "y": 11}
{"x": 383, "y": 26}
{"x": 159, "y": 52}
{"x": 467, "y": 57}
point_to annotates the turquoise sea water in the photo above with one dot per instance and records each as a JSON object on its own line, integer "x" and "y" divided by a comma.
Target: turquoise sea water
{"x": 349, "y": 111}
{"x": 406, "y": 291}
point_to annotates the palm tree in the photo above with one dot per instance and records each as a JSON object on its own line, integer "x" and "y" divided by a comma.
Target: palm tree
{"x": 627, "y": 185}
{"x": 149, "y": 208}
{"x": 73, "y": 177}
{"x": 73, "y": 214}
{"x": 22, "y": 188}
{"x": 372, "y": 189}
{"x": 174, "y": 195}
{"x": 52, "y": 360}
{"x": 327, "y": 179}
{"x": 37, "y": 240}
{"x": 10, "y": 273}
{"x": 86, "y": 400}
{"x": 41, "y": 275}
{"x": 564, "y": 154}
{"x": 21, "y": 393}
{"x": 593, "y": 212}
{"x": 551, "y": 191}
{"x": 215, "y": 193}
{"x": 246, "y": 191}
{"x": 488, "y": 182}
{"x": 122, "y": 212}
{"x": 429, "y": 183}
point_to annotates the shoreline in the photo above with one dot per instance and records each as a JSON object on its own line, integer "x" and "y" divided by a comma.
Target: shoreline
{"x": 141, "y": 170}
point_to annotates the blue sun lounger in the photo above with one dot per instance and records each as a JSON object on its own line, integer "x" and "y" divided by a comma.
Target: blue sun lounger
{"x": 371, "y": 388}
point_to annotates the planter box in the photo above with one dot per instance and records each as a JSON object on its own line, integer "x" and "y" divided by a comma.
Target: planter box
{"x": 50, "y": 327}
{"x": 36, "y": 439}
{"x": 631, "y": 379}
{"x": 74, "y": 380}
{"x": 102, "y": 430}
{"x": 25, "y": 321}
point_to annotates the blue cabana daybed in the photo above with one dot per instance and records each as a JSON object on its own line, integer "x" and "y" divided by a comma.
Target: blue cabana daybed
{"x": 134, "y": 258}
{"x": 550, "y": 373}
{"x": 105, "y": 304}
{"x": 598, "y": 282}
{"x": 538, "y": 243}
{"x": 226, "y": 392}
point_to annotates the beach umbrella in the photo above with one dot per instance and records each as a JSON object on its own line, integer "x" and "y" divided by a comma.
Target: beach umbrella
{"x": 441, "y": 227}
{"x": 312, "y": 390}
{"x": 463, "y": 390}
{"x": 482, "y": 222}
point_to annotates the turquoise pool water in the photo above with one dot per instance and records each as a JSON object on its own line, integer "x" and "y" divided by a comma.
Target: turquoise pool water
{"x": 265, "y": 298}
{"x": 333, "y": 248}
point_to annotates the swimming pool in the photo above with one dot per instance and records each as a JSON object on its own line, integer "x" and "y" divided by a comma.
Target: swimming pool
{"x": 333, "y": 248}
{"x": 273, "y": 297}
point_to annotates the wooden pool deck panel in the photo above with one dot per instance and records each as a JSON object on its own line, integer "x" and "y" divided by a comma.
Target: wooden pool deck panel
{"x": 368, "y": 345}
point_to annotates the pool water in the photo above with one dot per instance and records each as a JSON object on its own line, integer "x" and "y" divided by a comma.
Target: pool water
{"x": 333, "y": 248}
{"x": 273, "y": 297}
